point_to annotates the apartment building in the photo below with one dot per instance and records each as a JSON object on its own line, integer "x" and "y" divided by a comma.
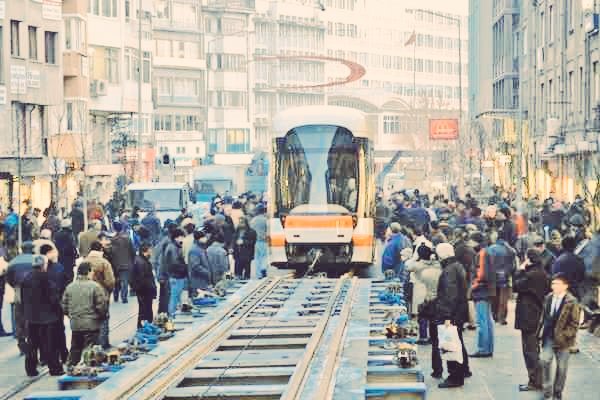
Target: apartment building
{"x": 560, "y": 75}
{"x": 30, "y": 91}
{"x": 179, "y": 81}
{"x": 115, "y": 66}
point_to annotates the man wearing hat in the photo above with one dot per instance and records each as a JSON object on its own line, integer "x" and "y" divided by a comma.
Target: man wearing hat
{"x": 18, "y": 268}
{"x": 41, "y": 311}
{"x": 558, "y": 330}
{"x": 67, "y": 247}
{"x": 86, "y": 304}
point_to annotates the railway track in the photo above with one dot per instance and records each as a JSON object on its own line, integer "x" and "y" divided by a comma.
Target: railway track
{"x": 265, "y": 347}
{"x": 22, "y": 386}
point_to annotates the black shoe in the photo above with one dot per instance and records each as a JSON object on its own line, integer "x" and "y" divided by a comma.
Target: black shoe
{"x": 58, "y": 372}
{"x": 33, "y": 374}
{"x": 468, "y": 374}
{"x": 481, "y": 355}
{"x": 471, "y": 327}
{"x": 125, "y": 302}
{"x": 436, "y": 375}
{"x": 503, "y": 323}
{"x": 449, "y": 384}
{"x": 529, "y": 388}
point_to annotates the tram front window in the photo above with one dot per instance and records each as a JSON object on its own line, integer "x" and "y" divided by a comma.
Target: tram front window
{"x": 317, "y": 165}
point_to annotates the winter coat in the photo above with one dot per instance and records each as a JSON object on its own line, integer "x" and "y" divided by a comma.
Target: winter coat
{"x": 425, "y": 277}
{"x": 102, "y": 271}
{"x": 142, "y": 277}
{"x": 157, "y": 260}
{"x": 152, "y": 223}
{"x": 244, "y": 252}
{"x": 38, "y": 243}
{"x": 58, "y": 277}
{"x": 122, "y": 253}
{"x": 466, "y": 255}
{"x": 199, "y": 268}
{"x": 40, "y": 298}
{"x": 562, "y": 329}
{"x": 573, "y": 268}
{"x": 391, "y": 254}
{"x": 218, "y": 261}
{"x": 85, "y": 302}
{"x": 451, "y": 299}
{"x": 174, "y": 263}
{"x": 52, "y": 222}
{"x": 77, "y": 221}
{"x": 85, "y": 241}
{"x": 67, "y": 250}
{"x": 532, "y": 285}
{"x": 18, "y": 268}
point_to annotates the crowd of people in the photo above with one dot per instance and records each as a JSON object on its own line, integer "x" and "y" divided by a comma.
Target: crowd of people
{"x": 119, "y": 255}
{"x": 461, "y": 260}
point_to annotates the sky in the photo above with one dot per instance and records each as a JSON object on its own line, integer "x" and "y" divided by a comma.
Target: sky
{"x": 453, "y": 6}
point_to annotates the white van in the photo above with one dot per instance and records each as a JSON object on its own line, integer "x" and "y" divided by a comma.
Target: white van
{"x": 167, "y": 199}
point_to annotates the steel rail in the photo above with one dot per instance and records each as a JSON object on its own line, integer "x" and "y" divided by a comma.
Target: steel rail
{"x": 153, "y": 385}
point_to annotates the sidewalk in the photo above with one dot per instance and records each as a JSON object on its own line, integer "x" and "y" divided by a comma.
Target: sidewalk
{"x": 12, "y": 365}
{"x": 498, "y": 378}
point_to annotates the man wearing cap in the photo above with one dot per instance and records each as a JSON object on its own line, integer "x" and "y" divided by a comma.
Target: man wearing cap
{"x": 558, "y": 330}
{"x": 86, "y": 304}
{"x": 546, "y": 257}
{"x": 532, "y": 285}
{"x": 42, "y": 313}
{"x": 18, "y": 268}
{"x": 67, "y": 248}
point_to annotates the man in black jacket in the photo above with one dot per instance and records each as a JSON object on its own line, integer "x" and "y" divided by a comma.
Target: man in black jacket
{"x": 176, "y": 269}
{"x": 532, "y": 284}
{"x": 452, "y": 309}
{"x": 142, "y": 281}
{"x": 42, "y": 312}
{"x": 571, "y": 266}
{"x": 67, "y": 248}
{"x": 122, "y": 256}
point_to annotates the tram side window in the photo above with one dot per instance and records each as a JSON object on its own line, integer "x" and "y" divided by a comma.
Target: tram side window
{"x": 342, "y": 172}
{"x": 293, "y": 173}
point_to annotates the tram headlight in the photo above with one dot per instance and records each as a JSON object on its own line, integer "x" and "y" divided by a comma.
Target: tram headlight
{"x": 354, "y": 220}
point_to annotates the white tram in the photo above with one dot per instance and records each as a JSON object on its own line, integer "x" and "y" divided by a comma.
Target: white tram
{"x": 322, "y": 187}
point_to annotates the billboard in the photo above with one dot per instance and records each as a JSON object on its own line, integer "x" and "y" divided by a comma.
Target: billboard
{"x": 443, "y": 129}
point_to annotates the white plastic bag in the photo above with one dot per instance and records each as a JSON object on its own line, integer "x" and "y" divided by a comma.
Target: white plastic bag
{"x": 449, "y": 343}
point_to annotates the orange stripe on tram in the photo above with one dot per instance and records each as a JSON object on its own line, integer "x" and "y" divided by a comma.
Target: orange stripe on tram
{"x": 321, "y": 221}
{"x": 362, "y": 240}
{"x": 277, "y": 240}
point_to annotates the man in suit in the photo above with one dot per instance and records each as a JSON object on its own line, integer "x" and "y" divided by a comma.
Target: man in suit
{"x": 558, "y": 327}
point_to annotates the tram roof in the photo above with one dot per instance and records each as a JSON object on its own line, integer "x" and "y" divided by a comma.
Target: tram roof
{"x": 349, "y": 118}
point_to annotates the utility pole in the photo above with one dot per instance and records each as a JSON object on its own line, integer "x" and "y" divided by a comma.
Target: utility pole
{"x": 140, "y": 164}
{"x": 19, "y": 177}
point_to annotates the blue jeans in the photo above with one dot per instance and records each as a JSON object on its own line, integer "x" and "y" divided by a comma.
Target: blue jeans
{"x": 485, "y": 327}
{"x": 121, "y": 286}
{"x": 261, "y": 258}
{"x": 177, "y": 286}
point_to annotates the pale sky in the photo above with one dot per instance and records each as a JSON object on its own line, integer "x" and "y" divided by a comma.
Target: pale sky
{"x": 450, "y": 6}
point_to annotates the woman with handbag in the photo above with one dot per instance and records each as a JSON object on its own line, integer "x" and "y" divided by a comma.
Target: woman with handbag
{"x": 425, "y": 273}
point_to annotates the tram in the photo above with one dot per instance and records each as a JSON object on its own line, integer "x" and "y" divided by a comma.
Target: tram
{"x": 322, "y": 189}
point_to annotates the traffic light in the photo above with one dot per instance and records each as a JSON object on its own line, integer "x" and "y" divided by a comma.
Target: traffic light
{"x": 166, "y": 159}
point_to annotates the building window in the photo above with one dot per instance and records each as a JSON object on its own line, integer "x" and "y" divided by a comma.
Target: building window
{"x": 1, "y": 55}
{"x": 69, "y": 112}
{"x": 32, "y": 30}
{"x": 15, "y": 43}
{"x": 111, "y": 64}
{"x": 391, "y": 124}
{"x": 238, "y": 141}
{"x": 75, "y": 35}
{"x": 109, "y": 8}
{"x": 228, "y": 99}
{"x": 50, "y": 46}
{"x": 146, "y": 66}
{"x": 127, "y": 10}
{"x": 212, "y": 141}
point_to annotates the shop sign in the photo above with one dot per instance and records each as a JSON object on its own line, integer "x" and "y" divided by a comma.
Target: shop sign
{"x": 33, "y": 79}
{"x": 52, "y": 9}
{"x": 443, "y": 129}
{"x": 18, "y": 79}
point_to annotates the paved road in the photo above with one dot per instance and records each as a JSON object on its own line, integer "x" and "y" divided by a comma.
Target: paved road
{"x": 498, "y": 378}
{"x": 12, "y": 365}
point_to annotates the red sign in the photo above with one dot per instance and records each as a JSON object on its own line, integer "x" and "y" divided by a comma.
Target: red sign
{"x": 443, "y": 129}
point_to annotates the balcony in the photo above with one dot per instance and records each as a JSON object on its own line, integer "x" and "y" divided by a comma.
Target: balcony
{"x": 232, "y": 4}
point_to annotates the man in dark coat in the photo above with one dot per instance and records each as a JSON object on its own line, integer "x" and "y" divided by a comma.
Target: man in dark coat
{"x": 532, "y": 284}
{"x": 159, "y": 266}
{"x": 77, "y": 219}
{"x": 152, "y": 224}
{"x": 18, "y": 268}
{"x": 67, "y": 248}
{"x": 217, "y": 258}
{"x": 142, "y": 281}
{"x": 451, "y": 308}
{"x": 42, "y": 313}
{"x": 199, "y": 268}
{"x": 571, "y": 266}
{"x": 122, "y": 257}
{"x": 176, "y": 269}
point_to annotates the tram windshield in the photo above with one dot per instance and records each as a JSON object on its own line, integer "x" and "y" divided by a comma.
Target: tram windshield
{"x": 317, "y": 165}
